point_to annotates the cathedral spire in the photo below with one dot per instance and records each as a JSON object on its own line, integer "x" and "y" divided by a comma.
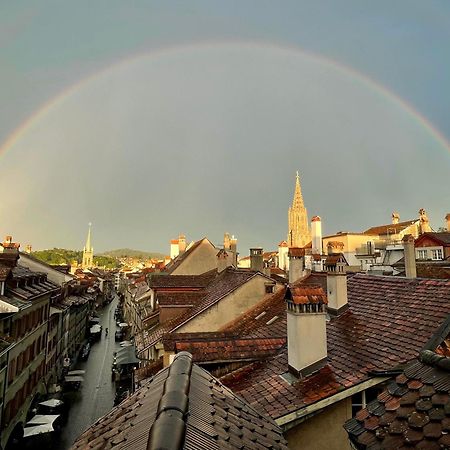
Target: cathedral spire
{"x": 298, "y": 198}
{"x": 298, "y": 226}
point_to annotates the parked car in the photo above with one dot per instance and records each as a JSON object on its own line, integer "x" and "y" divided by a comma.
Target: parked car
{"x": 86, "y": 349}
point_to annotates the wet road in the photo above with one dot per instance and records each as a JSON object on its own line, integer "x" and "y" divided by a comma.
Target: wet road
{"x": 96, "y": 396}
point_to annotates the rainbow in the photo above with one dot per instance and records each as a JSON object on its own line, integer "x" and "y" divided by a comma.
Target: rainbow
{"x": 364, "y": 80}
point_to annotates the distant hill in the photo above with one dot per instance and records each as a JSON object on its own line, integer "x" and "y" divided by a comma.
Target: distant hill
{"x": 58, "y": 256}
{"x": 128, "y": 252}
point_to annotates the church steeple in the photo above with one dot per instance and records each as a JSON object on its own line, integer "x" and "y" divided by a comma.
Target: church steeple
{"x": 298, "y": 225}
{"x": 88, "y": 252}
{"x": 298, "y": 198}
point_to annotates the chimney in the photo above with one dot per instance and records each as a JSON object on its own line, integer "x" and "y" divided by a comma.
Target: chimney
{"x": 395, "y": 218}
{"x": 181, "y": 243}
{"x": 226, "y": 241}
{"x": 256, "y": 259}
{"x": 224, "y": 260}
{"x": 174, "y": 249}
{"x": 337, "y": 290}
{"x": 233, "y": 248}
{"x": 410, "y": 256}
{"x": 9, "y": 246}
{"x": 296, "y": 263}
{"x": 316, "y": 235}
{"x": 335, "y": 247}
{"x": 306, "y": 329}
{"x": 283, "y": 259}
{"x": 447, "y": 219}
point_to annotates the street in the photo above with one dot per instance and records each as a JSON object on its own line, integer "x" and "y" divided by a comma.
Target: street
{"x": 96, "y": 395}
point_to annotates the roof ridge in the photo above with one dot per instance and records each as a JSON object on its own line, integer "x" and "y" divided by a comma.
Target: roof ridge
{"x": 169, "y": 429}
{"x": 431, "y": 358}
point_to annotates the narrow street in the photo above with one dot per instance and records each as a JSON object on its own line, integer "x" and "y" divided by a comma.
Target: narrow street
{"x": 96, "y": 396}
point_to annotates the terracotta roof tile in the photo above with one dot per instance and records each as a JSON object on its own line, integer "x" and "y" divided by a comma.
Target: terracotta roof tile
{"x": 213, "y": 418}
{"x": 388, "y": 321}
{"x": 423, "y": 423}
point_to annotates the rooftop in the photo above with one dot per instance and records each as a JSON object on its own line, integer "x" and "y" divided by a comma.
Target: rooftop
{"x": 388, "y": 321}
{"x": 198, "y": 410}
{"x": 413, "y": 412}
{"x": 391, "y": 228}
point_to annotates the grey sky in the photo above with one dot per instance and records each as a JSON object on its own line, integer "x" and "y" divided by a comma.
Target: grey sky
{"x": 205, "y": 139}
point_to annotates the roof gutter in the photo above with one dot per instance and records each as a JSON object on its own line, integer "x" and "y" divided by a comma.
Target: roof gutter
{"x": 294, "y": 418}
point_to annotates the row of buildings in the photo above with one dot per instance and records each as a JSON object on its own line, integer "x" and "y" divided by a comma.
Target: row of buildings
{"x": 44, "y": 315}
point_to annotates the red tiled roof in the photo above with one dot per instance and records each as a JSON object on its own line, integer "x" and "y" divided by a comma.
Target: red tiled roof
{"x": 388, "y": 321}
{"x": 210, "y": 416}
{"x": 391, "y": 228}
{"x": 413, "y": 412}
{"x": 226, "y": 282}
{"x": 221, "y": 347}
{"x": 179, "y": 298}
{"x": 442, "y": 237}
{"x": 182, "y": 281}
{"x": 266, "y": 319}
{"x": 304, "y": 294}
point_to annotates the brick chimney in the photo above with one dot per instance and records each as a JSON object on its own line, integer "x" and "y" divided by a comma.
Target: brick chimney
{"x": 10, "y": 253}
{"x": 306, "y": 328}
{"x": 447, "y": 219}
{"x": 410, "y": 256}
{"x": 337, "y": 290}
{"x": 296, "y": 263}
{"x": 395, "y": 218}
{"x": 256, "y": 259}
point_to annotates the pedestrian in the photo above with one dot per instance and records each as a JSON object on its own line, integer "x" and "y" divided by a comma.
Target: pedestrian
{"x": 106, "y": 331}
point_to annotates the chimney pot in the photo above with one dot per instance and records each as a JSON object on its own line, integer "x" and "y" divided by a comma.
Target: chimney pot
{"x": 256, "y": 259}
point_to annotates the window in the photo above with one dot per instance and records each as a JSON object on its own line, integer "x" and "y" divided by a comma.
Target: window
{"x": 422, "y": 254}
{"x": 437, "y": 254}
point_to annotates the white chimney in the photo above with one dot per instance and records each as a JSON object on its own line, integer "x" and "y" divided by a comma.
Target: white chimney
{"x": 283, "y": 258}
{"x": 296, "y": 263}
{"x": 174, "y": 249}
{"x": 306, "y": 327}
{"x": 410, "y": 256}
{"x": 316, "y": 235}
{"x": 395, "y": 218}
{"x": 337, "y": 290}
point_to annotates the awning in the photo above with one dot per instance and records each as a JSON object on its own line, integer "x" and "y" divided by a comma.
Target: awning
{"x": 127, "y": 355}
{"x": 73, "y": 379}
{"x": 76, "y": 372}
{"x": 126, "y": 344}
{"x": 52, "y": 403}
{"x": 54, "y": 310}
{"x": 123, "y": 325}
{"x": 39, "y": 429}
{"x": 42, "y": 419}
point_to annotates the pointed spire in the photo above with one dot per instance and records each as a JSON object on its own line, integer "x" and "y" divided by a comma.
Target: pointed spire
{"x": 298, "y": 198}
{"x": 88, "y": 246}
